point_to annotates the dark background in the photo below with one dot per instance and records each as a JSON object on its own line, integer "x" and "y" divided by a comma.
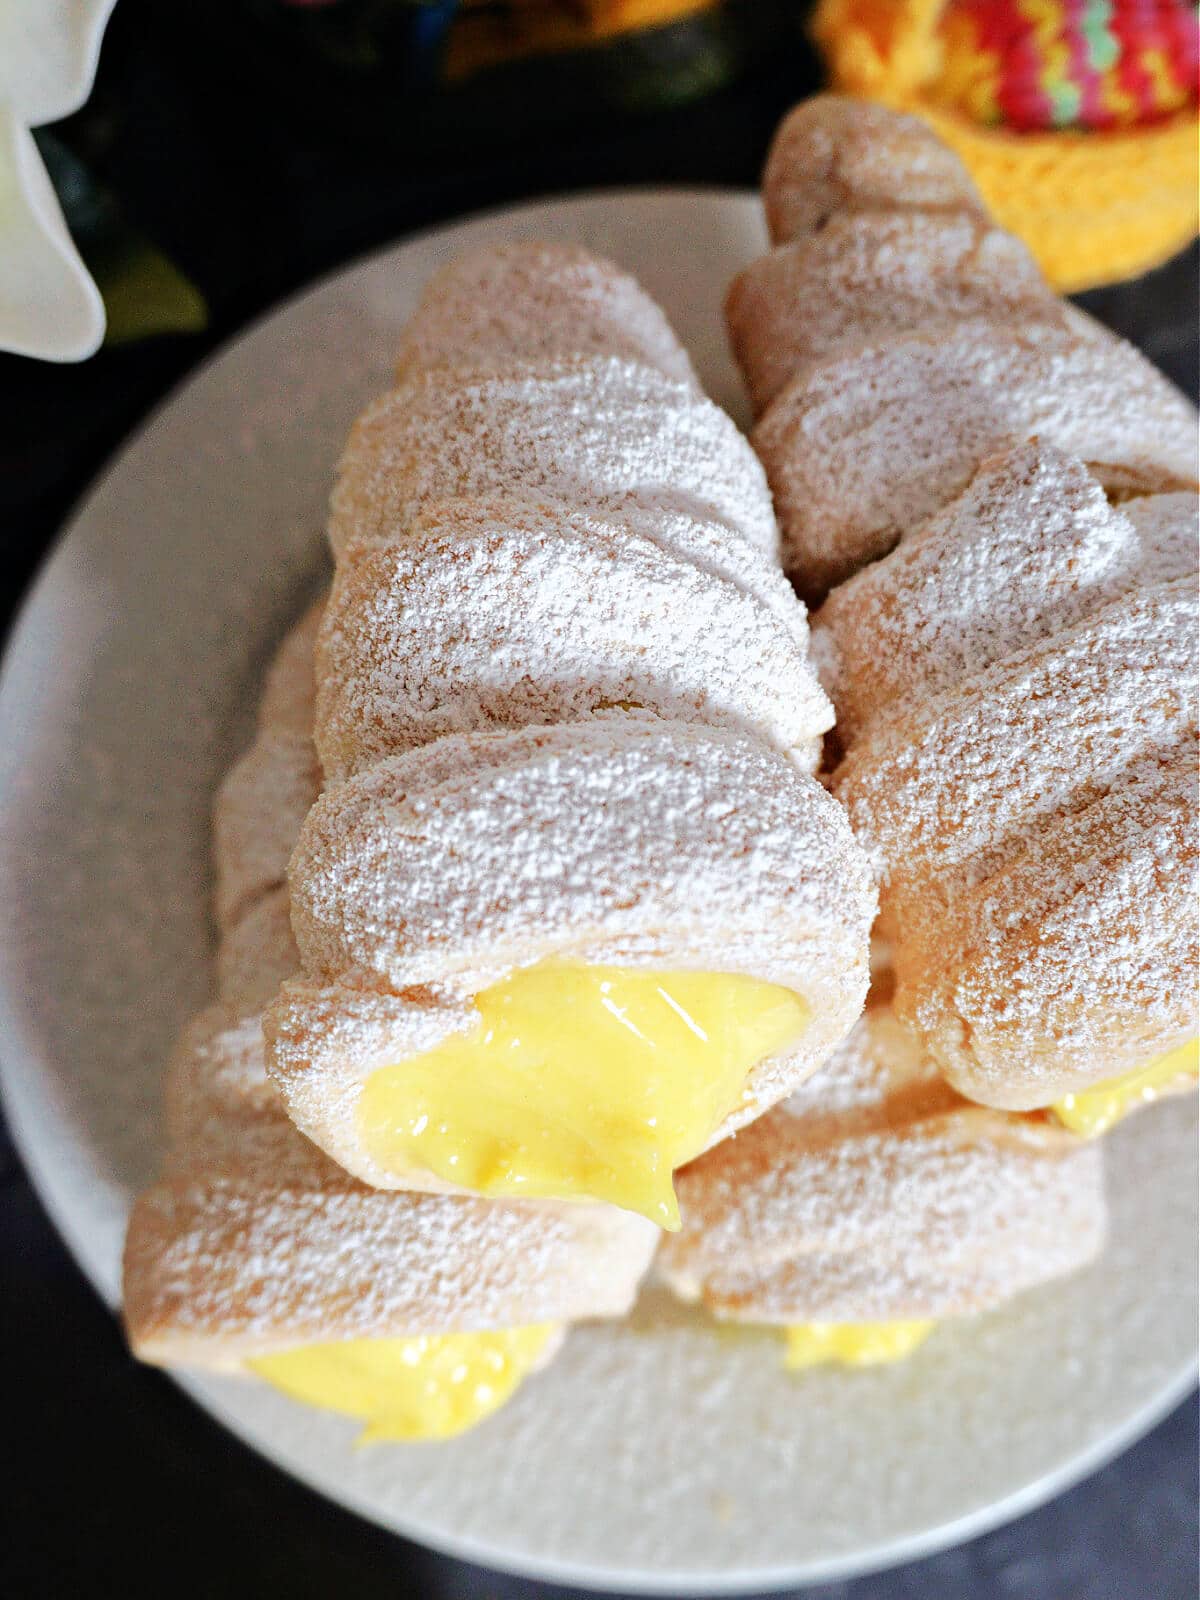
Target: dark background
{"x": 114, "y": 1481}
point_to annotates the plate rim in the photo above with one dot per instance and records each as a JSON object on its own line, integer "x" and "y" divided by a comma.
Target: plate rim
{"x": 21, "y": 1078}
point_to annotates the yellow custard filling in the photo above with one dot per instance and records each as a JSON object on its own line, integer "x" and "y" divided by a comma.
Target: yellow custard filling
{"x": 1093, "y": 1111}
{"x": 428, "y": 1386}
{"x": 580, "y": 1082}
{"x": 853, "y": 1344}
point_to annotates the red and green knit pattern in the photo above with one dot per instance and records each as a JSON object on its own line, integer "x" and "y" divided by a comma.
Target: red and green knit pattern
{"x": 1031, "y": 64}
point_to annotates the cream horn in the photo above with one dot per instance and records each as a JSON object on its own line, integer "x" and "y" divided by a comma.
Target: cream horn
{"x": 417, "y": 1314}
{"x": 894, "y": 338}
{"x": 572, "y": 906}
{"x": 999, "y": 497}
{"x": 877, "y": 1202}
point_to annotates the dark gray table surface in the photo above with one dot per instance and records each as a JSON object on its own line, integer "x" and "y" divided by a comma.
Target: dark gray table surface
{"x": 114, "y": 1481}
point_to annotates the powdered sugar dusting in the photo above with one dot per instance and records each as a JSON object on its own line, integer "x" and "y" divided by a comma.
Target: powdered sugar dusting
{"x": 1075, "y": 961}
{"x": 1028, "y": 549}
{"x": 878, "y": 1193}
{"x": 268, "y": 792}
{"x": 257, "y": 953}
{"x": 937, "y": 789}
{"x": 713, "y": 1480}
{"x": 1015, "y": 681}
{"x": 253, "y": 1240}
{"x": 895, "y": 341}
{"x": 1168, "y": 526}
{"x": 555, "y": 660}
{"x": 863, "y": 447}
{"x": 623, "y": 840}
{"x": 495, "y": 613}
{"x": 1021, "y": 762}
{"x": 542, "y": 301}
{"x": 594, "y": 432}
{"x": 832, "y": 155}
{"x": 867, "y": 275}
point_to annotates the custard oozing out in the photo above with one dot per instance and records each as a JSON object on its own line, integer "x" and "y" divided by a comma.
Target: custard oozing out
{"x": 1093, "y": 1111}
{"x": 853, "y": 1344}
{"x": 427, "y": 1386}
{"x": 580, "y": 1081}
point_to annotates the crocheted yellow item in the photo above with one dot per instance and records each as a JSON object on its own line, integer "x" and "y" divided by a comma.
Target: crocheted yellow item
{"x": 1094, "y": 207}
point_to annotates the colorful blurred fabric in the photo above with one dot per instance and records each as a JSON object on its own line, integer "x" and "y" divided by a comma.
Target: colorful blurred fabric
{"x": 1039, "y": 64}
{"x": 1077, "y": 118}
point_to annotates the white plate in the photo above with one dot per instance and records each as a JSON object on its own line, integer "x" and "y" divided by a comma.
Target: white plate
{"x": 658, "y": 1456}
